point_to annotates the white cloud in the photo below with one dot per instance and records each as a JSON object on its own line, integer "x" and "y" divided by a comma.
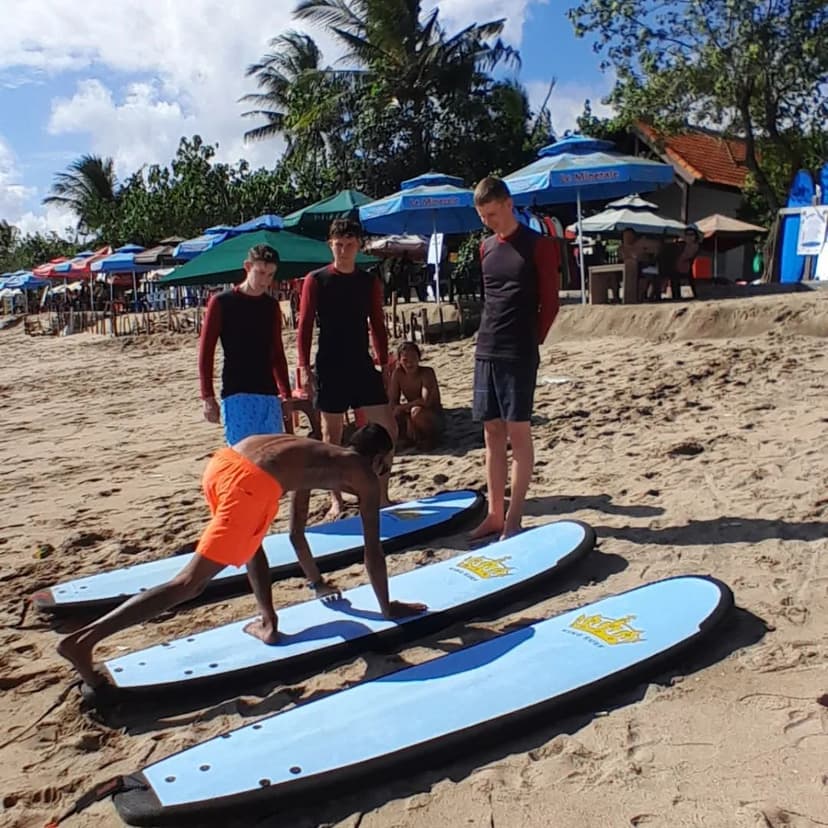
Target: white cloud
{"x": 52, "y": 218}
{"x": 16, "y": 198}
{"x": 140, "y": 128}
{"x": 190, "y": 59}
{"x": 566, "y": 103}
{"x": 181, "y": 65}
{"x": 13, "y": 193}
{"x": 456, "y": 14}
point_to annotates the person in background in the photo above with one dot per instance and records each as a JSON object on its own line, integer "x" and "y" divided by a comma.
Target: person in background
{"x": 683, "y": 265}
{"x": 420, "y": 418}
{"x": 521, "y": 279}
{"x": 248, "y": 322}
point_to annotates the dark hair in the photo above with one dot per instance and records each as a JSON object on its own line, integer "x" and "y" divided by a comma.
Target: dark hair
{"x": 344, "y": 227}
{"x": 371, "y": 441}
{"x": 694, "y": 231}
{"x": 403, "y": 346}
{"x": 263, "y": 253}
{"x": 490, "y": 189}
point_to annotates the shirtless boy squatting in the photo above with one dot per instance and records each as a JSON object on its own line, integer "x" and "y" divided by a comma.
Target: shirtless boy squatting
{"x": 243, "y": 485}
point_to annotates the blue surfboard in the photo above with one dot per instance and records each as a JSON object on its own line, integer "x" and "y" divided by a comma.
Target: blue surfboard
{"x": 792, "y": 265}
{"x": 322, "y": 631}
{"x": 484, "y": 690}
{"x": 821, "y": 267}
{"x": 333, "y": 545}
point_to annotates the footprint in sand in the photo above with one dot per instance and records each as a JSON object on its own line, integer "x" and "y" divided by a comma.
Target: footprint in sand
{"x": 687, "y": 448}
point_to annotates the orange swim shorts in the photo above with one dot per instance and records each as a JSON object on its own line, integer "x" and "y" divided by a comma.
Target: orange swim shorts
{"x": 243, "y": 500}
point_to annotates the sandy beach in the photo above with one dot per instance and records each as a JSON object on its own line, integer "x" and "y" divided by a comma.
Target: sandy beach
{"x": 693, "y": 437}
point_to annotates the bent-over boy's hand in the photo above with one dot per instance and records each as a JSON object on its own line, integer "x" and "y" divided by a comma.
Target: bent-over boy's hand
{"x": 401, "y": 609}
{"x": 324, "y": 589}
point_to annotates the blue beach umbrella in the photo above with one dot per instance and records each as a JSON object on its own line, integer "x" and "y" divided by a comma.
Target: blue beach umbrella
{"x": 67, "y": 266}
{"x": 584, "y": 169}
{"x": 206, "y": 241}
{"x": 123, "y": 261}
{"x": 269, "y": 221}
{"x": 26, "y": 280}
{"x": 23, "y": 280}
{"x": 429, "y": 204}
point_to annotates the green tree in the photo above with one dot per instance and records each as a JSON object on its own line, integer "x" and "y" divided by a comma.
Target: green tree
{"x": 409, "y": 64}
{"x": 26, "y": 252}
{"x": 413, "y": 98}
{"x": 89, "y": 189}
{"x": 9, "y": 236}
{"x": 191, "y": 193}
{"x": 756, "y": 69}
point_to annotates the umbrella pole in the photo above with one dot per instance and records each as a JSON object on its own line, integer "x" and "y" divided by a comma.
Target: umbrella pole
{"x": 715, "y": 257}
{"x": 581, "y": 248}
{"x": 437, "y": 254}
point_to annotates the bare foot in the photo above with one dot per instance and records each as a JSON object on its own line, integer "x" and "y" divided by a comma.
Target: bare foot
{"x": 266, "y": 631}
{"x": 510, "y": 530}
{"x": 80, "y": 657}
{"x": 491, "y": 525}
{"x": 334, "y": 513}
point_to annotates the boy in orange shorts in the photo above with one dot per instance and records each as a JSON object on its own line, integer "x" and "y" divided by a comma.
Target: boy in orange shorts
{"x": 243, "y": 485}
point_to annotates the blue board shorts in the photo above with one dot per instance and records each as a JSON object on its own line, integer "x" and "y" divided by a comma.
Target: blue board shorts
{"x": 246, "y": 414}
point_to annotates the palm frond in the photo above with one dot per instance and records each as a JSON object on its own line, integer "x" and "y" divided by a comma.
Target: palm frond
{"x": 331, "y": 14}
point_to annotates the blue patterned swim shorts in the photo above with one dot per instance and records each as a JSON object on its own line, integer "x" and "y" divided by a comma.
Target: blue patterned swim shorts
{"x": 246, "y": 414}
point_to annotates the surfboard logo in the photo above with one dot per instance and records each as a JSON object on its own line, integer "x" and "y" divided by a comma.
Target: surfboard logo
{"x": 485, "y": 568}
{"x": 609, "y": 630}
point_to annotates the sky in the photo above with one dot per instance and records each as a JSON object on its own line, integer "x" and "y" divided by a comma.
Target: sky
{"x": 128, "y": 78}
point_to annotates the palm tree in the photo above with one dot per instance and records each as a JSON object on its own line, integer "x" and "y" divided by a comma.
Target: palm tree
{"x": 293, "y": 61}
{"x": 379, "y": 104}
{"x": 89, "y": 189}
{"x": 411, "y": 64}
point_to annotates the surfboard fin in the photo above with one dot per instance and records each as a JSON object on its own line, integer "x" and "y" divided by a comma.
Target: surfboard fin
{"x": 99, "y": 792}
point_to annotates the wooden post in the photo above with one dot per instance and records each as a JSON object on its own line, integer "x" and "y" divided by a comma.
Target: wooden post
{"x": 394, "y": 313}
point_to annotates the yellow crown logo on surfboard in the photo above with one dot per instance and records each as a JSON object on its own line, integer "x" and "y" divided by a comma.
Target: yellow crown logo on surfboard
{"x": 485, "y": 567}
{"x": 609, "y": 630}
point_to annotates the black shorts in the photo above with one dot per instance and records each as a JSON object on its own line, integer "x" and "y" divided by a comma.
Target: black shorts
{"x": 352, "y": 384}
{"x": 504, "y": 389}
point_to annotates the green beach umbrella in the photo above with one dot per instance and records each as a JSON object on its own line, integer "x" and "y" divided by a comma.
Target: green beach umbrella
{"x": 223, "y": 263}
{"x": 315, "y": 219}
